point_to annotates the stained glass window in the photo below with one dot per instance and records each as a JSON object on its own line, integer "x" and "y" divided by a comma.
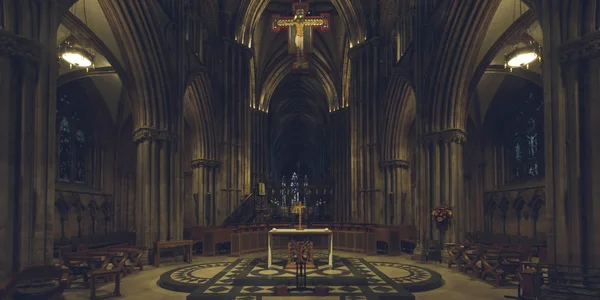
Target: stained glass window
{"x": 526, "y": 155}
{"x": 294, "y": 188}
{"x": 283, "y": 191}
{"x": 73, "y": 142}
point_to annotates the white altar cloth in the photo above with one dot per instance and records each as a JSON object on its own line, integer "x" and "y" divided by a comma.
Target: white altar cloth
{"x": 307, "y": 232}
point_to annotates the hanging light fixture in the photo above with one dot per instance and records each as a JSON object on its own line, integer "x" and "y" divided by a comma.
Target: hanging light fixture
{"x": 522, "y": 56}
{"x": 76, "y": 55}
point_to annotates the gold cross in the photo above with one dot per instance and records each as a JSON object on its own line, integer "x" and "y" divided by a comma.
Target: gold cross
{"x": 299, "y": 207}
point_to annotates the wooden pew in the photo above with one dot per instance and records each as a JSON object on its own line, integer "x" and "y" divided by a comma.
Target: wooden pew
{"x": 81, "y": 264}
{"x": 542, "y": 281}
{"x": 500, "y": 264}
{"x": 211, "y": 238}
{"x": 43, "y": 282}
{"x": 134, "y": 257}
{"x": 455, "y": 254}
{"x": 186, "y": 244}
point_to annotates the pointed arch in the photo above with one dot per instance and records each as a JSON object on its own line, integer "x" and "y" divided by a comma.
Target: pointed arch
{"x": 278, "y": 67}
{"x": 400, "y": 113}
{"x": 198, "y": 112}
{"x": 443, "y": 94}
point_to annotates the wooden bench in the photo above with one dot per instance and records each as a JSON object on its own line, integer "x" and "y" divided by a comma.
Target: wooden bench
{"x": 81, "y": 264}
{"x": 500, "y": 264}
{"x": 43, "y": 282}
{"x": 134, "y": 257}
{"x": 542, "y": 281}
{"x": 186, "y": 244}
{"x": 104, "y": 273}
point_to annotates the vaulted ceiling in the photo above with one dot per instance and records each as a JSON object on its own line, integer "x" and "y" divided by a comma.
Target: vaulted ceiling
{"x": 298, "y": 103}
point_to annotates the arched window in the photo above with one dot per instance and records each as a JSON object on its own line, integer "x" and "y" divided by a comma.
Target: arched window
{"x": 294, "y": 189}
{"x": 73, "y": 140}
{"x": 525, "y": 136}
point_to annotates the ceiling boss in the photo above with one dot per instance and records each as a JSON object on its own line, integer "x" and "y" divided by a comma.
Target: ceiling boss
{"x": 300, "y": 31}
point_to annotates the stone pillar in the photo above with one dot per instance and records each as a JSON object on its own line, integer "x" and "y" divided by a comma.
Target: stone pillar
{"x": 28, "y": 72}
{"x": 158, "y": 210}
{"x": 398, "y": 207}
{"x": 366, "y": 181}
{"x": 234, "y": 177}
{"x": 570, "y": 79}
{"x": 442, "y": 181}
{"x": 340, "y": 166}
{"x": 204, "y": 186}
{"x": 260, "y": 149}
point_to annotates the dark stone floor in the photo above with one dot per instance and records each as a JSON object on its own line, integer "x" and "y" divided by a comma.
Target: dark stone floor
{"x": 350, "y": 278}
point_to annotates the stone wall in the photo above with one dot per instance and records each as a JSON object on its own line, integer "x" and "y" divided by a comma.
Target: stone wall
{"x": 518, "y": 211}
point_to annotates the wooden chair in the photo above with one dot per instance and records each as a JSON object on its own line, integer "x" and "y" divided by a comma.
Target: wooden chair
{"x": 35, "y": 283}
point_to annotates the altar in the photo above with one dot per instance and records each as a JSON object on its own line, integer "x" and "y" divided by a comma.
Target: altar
{"x": 297, "y": 233}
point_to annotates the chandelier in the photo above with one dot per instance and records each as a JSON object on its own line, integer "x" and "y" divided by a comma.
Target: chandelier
{"x": 74, "y": 53}
{"x": 77, "y": 56}
{"x": 522, "y": 56}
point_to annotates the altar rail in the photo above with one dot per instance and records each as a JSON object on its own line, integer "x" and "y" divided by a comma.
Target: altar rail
{"x": 361, "y": 238}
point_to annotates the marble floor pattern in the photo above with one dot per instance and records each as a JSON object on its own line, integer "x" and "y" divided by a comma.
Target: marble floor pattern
{"x": 143, "y": 285}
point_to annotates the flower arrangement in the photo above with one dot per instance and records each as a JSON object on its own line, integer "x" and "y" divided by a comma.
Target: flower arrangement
{"x": 442, "y": 215}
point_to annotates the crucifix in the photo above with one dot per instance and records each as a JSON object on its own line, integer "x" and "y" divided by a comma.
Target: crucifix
{"x": 299, "y": 207}
{"x": 300, "y": 31}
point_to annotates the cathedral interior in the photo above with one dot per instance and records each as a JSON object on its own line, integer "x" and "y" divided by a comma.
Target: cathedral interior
{"x": 431, "y": 149}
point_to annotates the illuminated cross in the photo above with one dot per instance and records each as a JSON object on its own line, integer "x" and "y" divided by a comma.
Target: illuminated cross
{"x": 299, "y": 207}
{"x": 299, "y": 26}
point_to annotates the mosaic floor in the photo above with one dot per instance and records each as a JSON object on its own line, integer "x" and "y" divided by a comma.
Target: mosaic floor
{"x": 350, "y": 278}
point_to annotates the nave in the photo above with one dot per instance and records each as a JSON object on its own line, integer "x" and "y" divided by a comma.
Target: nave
{"x": 211, "y": 277}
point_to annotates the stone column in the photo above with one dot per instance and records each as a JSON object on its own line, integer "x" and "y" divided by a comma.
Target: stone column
{"x": 442, "y": 181}
{"x": 570, "y": 78}
{"x": 158, "y": 210}
{"x": 234, "y": 177}
{"x": 397, "y": 188}
{"x": 366, "y": 181}
{"x": 28, "y": 72}
{"x": 340, "y": 166}
{"x": 199, "y": 190}
{"x": 204, "y": 186}
{"x": 260, "y": 151}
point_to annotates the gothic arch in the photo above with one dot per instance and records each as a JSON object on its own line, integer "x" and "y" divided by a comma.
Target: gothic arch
{"x": 198, "y": 112}
{"x": 139, "y": 28}
{"x": 511, "y": 33}
{"x": 455, "y": 45}
{"x": 400, "y": 113}
{"x": 81, "y": 31}
{"x": 278, "y": 67}
{"x": 350, "y": 11}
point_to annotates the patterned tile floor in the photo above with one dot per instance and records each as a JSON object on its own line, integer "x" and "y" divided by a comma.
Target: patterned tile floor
{"x": 348, "y": 277}
{"x": 143, "y": 285}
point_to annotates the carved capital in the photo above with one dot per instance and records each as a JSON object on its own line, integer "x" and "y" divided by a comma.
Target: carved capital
{"x": 585, "y": 47}
{"x": 205, "y": 163}
{"x": 144, "y": 134}
{"x": 14, "y": 45}
{"x": 457, "y": 136}
{"x": 402, "y": 164}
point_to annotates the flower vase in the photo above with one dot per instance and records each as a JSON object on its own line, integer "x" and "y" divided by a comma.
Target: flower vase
{"x": 443, "y": 225}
